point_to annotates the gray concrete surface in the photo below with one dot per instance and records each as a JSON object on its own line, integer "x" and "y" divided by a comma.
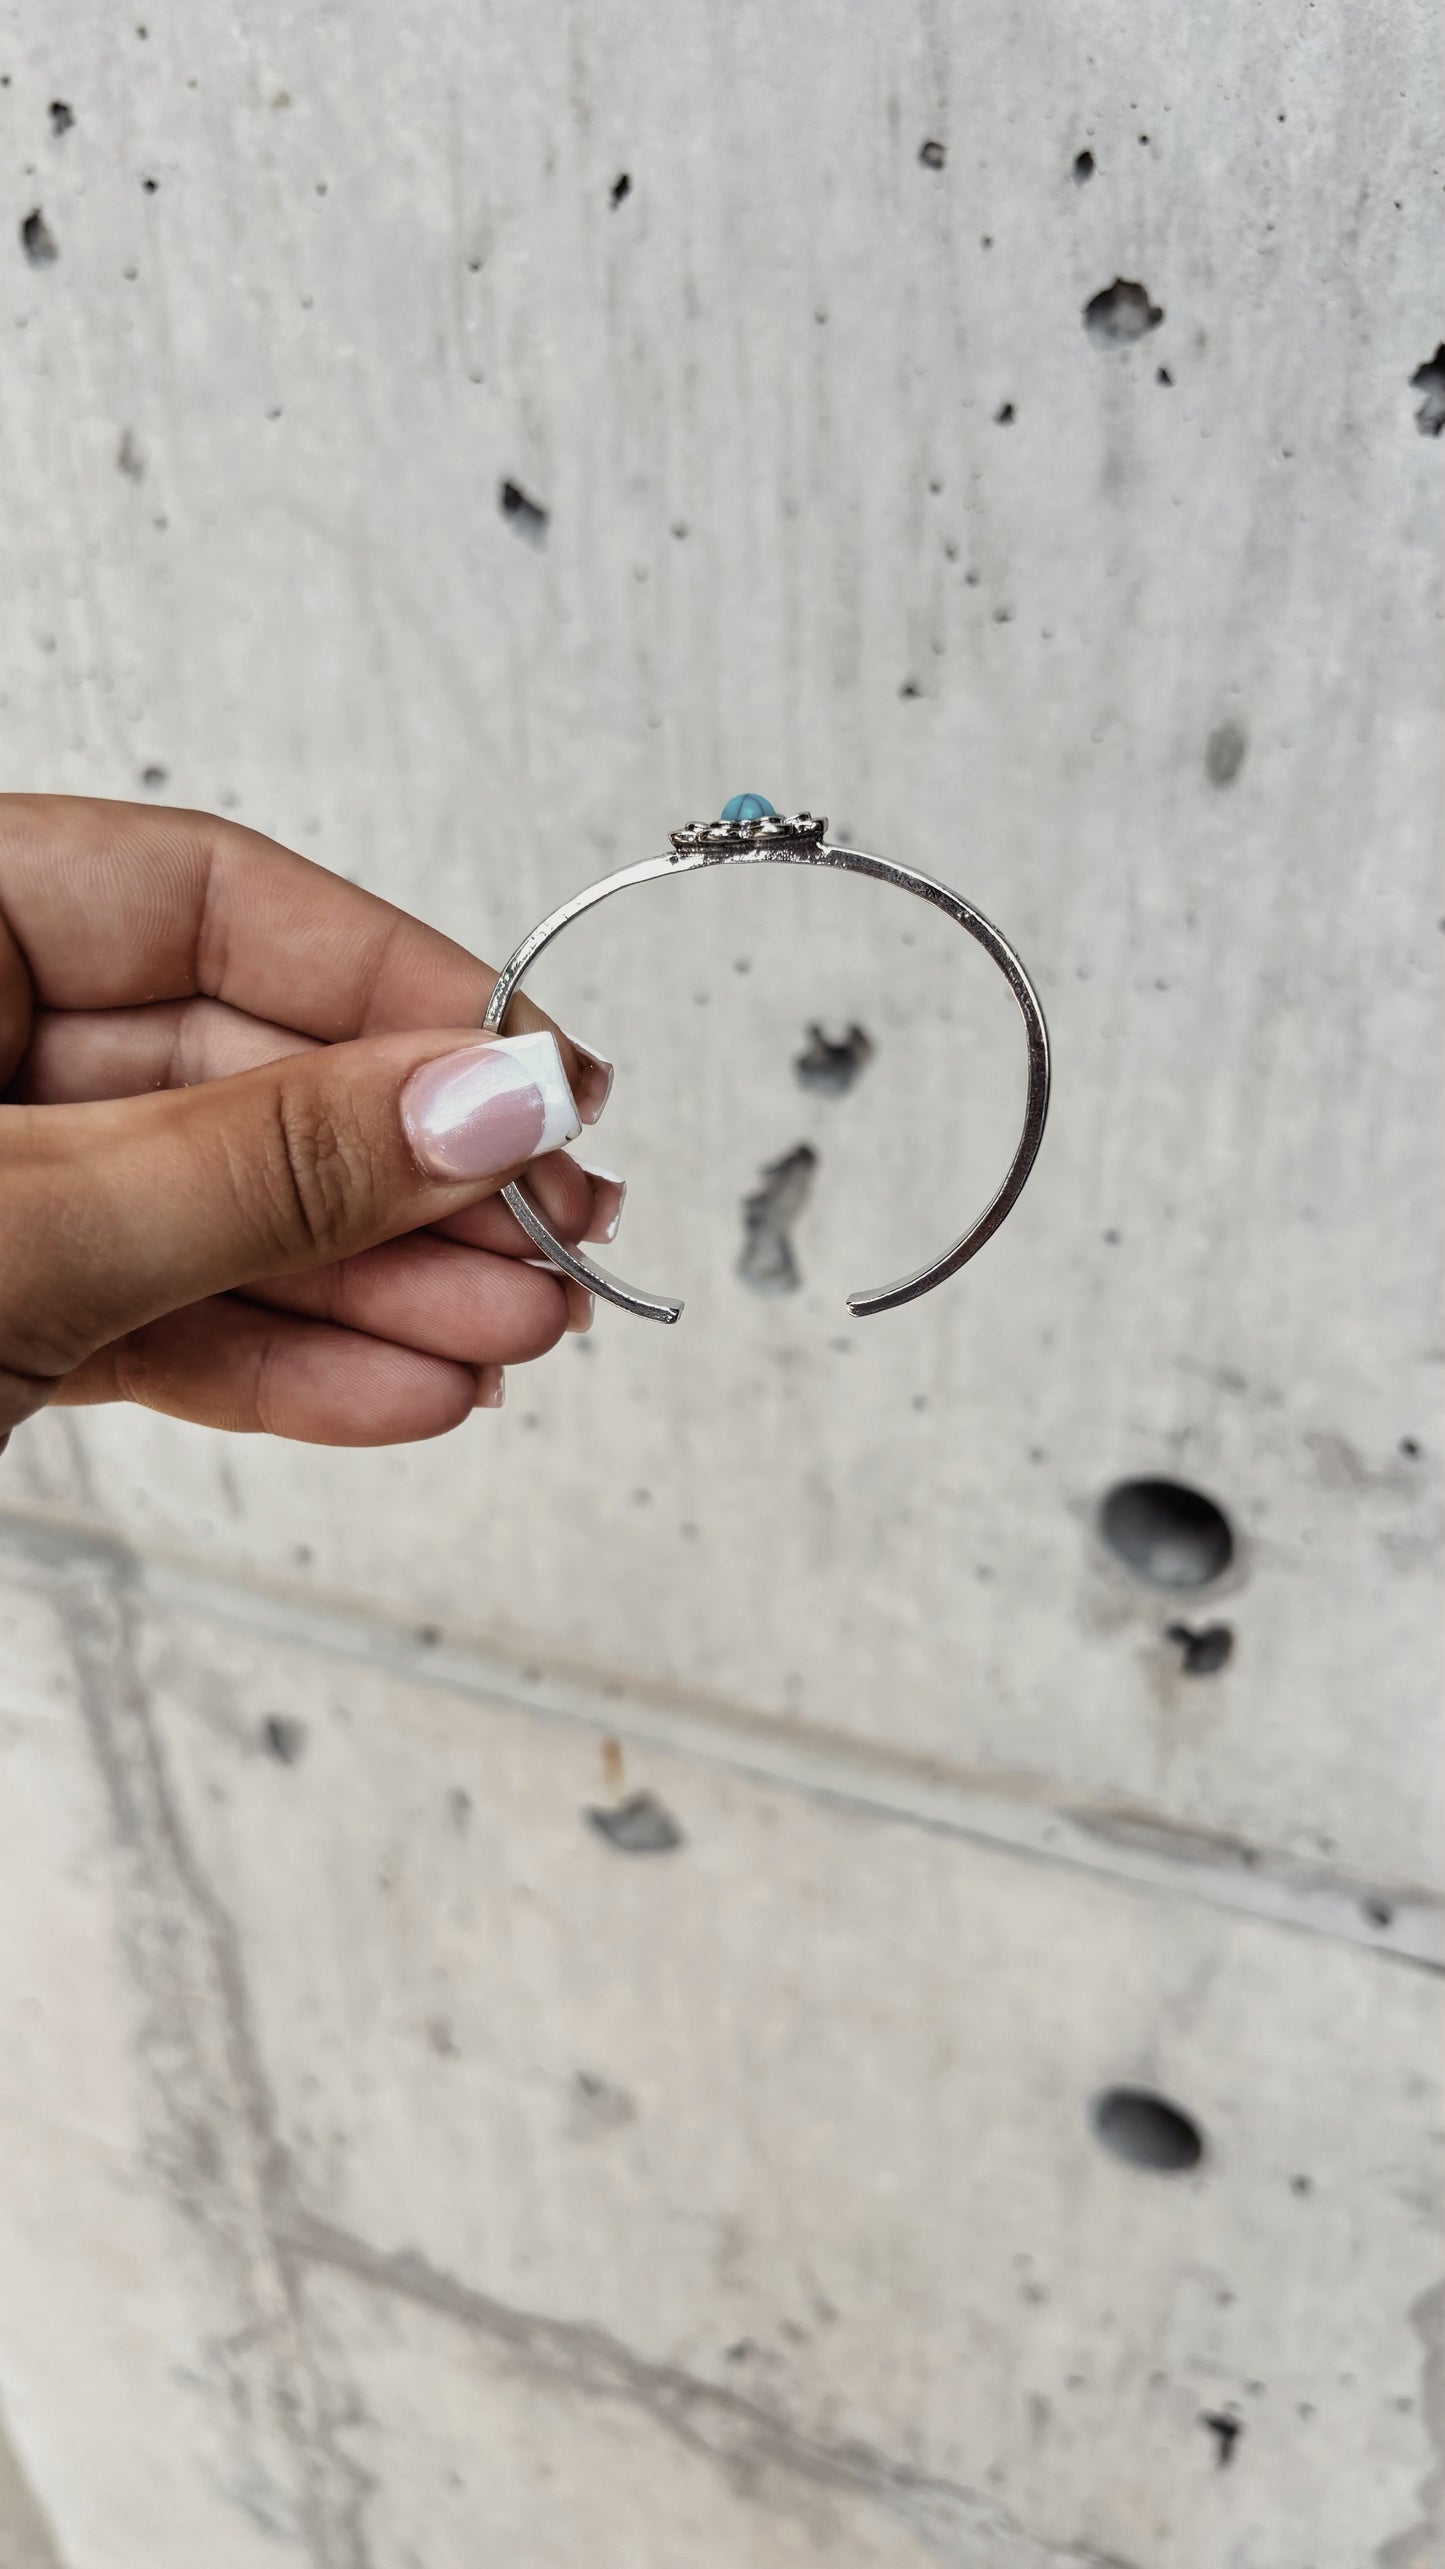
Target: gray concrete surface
{"x": 401, "y": 2174}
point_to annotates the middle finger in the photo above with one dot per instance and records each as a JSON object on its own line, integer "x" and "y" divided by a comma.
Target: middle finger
{"x": 439, "y": 1298}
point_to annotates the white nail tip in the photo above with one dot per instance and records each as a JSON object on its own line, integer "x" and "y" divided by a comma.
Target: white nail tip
{"x": 540, "y": 1063}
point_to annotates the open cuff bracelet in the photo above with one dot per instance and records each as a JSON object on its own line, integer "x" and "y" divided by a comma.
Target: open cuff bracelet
{"x": 752, "y": 833}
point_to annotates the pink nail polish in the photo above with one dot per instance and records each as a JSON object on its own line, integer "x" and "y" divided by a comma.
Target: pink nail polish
{"x": 489, "y": 1107}
{"x": 609, "y": 1194}
{"x": 594, "y": 1086}
{"x": 491, "y": 1387}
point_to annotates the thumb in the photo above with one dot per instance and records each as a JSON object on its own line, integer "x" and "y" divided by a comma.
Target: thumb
{"x": 113, "y": 1213}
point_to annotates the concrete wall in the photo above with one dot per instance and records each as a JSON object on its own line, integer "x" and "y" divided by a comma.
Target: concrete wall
{"x": 401, "y": 2172}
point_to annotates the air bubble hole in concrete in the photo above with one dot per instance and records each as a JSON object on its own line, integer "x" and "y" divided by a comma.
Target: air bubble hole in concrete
{"x": 1146, "y": 2131}
{"x": 38, "y": 241}
{"x": 1167, "y": 1533}
{"x": 1120, "y": 314}
{"x": 525, "y": 514}
{"x": 768, "y": 1261}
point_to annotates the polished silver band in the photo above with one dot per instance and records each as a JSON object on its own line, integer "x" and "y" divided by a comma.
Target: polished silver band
{"x": 799, "y": 841}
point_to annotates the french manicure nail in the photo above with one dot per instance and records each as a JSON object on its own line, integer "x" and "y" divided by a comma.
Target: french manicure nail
{"x": 594, "y": 1086}
{"x": 609, "y": 1194}
{"x": 491, "y": 1387}
{"x": 489, "y": 1107}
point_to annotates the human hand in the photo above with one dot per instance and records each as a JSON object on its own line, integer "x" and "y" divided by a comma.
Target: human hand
{"x": 251, "y": 1141}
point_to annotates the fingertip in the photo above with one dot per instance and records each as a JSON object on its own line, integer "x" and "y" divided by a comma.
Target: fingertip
{"x": 563, "y": 1192}
{"x": 609, "y": 1194}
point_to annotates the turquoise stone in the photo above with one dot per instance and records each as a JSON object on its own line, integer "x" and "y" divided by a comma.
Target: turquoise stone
{"x": 749, "y": 807}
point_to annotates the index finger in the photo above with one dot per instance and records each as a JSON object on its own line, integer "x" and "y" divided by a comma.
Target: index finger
{"x": 114, "y": 904}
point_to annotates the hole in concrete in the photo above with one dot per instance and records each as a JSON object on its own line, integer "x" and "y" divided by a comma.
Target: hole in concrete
{"x": 1429, "y": 381}
{"x": 283, "y": 1738}
{"x": 1226, "y": 2430}
{"x": 527, "y": 515}
{"x": 621, "y": 188}
{"x": 38, "y": 241}
{"x": 1120, "y": 314}
{"x": 832, "y": 1067}
{"x": 933, "y": 155}
{"x": 128, "y": 457}
{"x": 1004, "y": 415}
{"x": 1203, "y": 1651}
{"x": 1163, "y": 376}
{"x": 1173, "y": 1536}
{"x": 768, "y": 1262}
{"x": 598, "y": 2107}
{"x": 1083, "y": 167}
{"x": 1224, "y": 753}
{"x": 62, "y": 116}
{"x": 153, "y": 778}
{"x": 1146, "y": 2131}
{"x": 1380, "y": 1912}
{"x": 639, "y": 1826}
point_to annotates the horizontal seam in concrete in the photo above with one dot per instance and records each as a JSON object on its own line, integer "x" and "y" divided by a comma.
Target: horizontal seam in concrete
{"x": 1135, "y": 1849}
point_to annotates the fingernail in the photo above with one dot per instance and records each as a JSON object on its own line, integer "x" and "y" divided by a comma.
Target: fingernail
{"x": 609, "y": 1194}
{"x": 489, "y": 1107}
{"x": 594, "y": 1086}
{"x": 491, "y": 1387}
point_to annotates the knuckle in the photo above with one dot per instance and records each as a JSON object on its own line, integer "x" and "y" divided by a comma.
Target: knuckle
{"x": 320, "y": 1189}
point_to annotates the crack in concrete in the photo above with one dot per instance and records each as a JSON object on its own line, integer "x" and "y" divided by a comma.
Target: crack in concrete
{"x": 216, "y": 2148}
{"x": 744, "y": 2440}
{"x": 213, "y": 2141}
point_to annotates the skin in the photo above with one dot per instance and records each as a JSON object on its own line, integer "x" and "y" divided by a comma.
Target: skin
{"x": 208, "y": 1203}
